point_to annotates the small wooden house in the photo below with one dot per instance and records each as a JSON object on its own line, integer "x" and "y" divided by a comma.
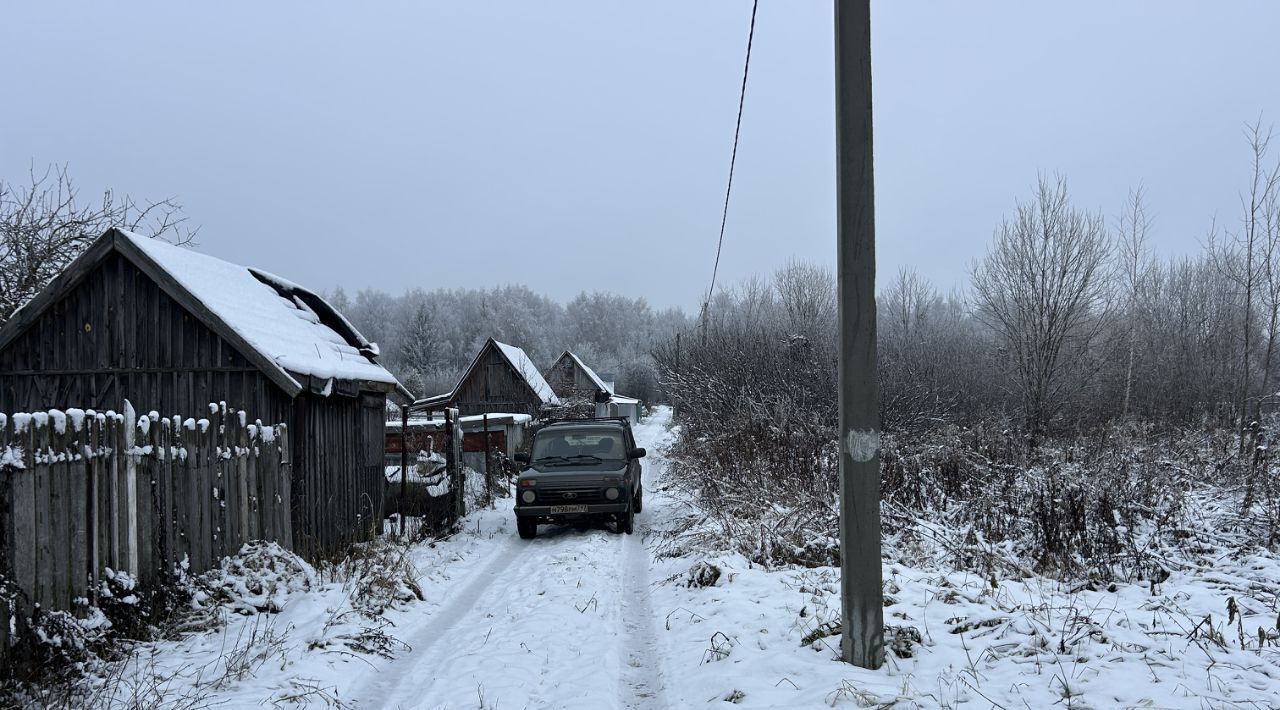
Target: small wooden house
{"x": 173, "y": 330}
{"x": 574, "y": 381}
{"x": 501, "y": 379}
{"x": 571, "y": 379}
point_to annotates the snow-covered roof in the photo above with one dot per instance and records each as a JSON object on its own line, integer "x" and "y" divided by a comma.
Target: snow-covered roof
{"x": 278, "y": 318}
{"x": 520, "y": 362}
{"x": 529, "y": 372}
{"x": 620, "y": 399}
{"x": 591, "y": 374}
{"x": 289, "y": 333}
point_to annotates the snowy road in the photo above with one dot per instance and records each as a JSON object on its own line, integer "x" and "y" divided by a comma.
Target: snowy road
{"x": 561, "y": 621}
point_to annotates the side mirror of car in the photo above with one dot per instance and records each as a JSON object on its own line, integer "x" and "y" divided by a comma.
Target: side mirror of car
{"x": 522, "y": 457}
{"x": 638, "y": 453}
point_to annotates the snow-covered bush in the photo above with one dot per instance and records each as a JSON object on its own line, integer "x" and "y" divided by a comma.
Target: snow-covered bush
{"x": 259, "y": 579}
{"x": 1126, "y": 503}
{"x": 379, "y": 575}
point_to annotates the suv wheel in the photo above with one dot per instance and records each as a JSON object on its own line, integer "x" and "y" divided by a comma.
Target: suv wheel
{"x": 527, "y": 528}
{"x": 639, "y": 501}
{"x": 626, "y": 522}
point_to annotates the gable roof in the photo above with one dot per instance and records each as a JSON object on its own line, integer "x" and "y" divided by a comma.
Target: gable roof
{"x": 591, "y": 374}
{"x": 285, "y": 330}
{"x": 525, "y": 367}
{"x": 520, "y": 363}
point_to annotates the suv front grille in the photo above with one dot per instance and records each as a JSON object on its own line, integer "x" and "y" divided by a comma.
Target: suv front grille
{"x": 569, "y": 494}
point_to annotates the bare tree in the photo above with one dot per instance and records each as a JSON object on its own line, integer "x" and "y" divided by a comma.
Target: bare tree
{"x": 1133, "y": 228}
{"x": 808, "y": 296}
{"x": 1245, "y": 258}
{"x": 1043, "y": 288}
{"x": 913, "y": 395}
{"x": 44, "y": 225}
{"x": 1262, "y": 228}
{"x": 907, "y": 304}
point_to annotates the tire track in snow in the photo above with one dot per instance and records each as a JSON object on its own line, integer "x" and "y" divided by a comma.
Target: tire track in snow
{"x": 562, "y": 621}
{"x": 494, "y": 642}
{"x": 643, "y": 680}
{"x": 384, "y": 683}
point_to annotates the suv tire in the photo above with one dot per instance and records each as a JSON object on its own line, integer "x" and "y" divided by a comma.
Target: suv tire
{"x": 626, "y": 523}
{"x": 527, "y": 528}
{"x": 639, "y": 501}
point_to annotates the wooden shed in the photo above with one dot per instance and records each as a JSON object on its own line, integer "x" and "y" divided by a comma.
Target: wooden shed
{"x": 571, "y": 379}
{"x": 500, "y": 379}
{"x": 172, "y": 330}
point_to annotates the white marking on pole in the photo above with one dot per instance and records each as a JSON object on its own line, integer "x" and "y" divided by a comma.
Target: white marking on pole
{"x": 862, "y": 446}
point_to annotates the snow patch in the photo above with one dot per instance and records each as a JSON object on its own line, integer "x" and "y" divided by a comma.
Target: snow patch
{"x": 11, "y": 457}
{"x": 59, "y": 418}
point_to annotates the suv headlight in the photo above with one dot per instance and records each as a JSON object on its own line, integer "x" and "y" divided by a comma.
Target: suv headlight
{"x": 611, "y": 493}
{"x": 528, "y": 496}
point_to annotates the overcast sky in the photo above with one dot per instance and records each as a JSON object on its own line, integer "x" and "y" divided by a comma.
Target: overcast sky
{"x": 585, "y": 145}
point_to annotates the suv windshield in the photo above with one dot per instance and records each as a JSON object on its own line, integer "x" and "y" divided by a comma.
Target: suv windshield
{"x": 581, "y": 447}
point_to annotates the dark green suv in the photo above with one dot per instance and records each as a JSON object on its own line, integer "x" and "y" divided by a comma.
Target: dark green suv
{"x": 580, "y": 470}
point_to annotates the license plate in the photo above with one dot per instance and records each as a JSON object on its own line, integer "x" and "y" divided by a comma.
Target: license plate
{"x": 557, "y": 509}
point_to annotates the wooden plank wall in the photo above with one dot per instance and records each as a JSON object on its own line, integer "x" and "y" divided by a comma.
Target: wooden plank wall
{"x": 116, "y": 336}
{"x": 339, "y": 474}
{"x": 493, "y": 386}
{"x": 136, "y": 493}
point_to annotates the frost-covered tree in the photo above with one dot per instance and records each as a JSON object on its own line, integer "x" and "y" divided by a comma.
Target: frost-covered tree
{"x": 45, "y": 224}
{"x": 1044, "y": 287}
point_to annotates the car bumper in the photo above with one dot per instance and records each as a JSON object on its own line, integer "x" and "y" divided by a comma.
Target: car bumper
{"x": 544, "y": 511}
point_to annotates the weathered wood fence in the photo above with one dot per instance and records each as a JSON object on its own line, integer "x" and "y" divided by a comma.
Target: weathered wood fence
{"x": 82, "y": 492}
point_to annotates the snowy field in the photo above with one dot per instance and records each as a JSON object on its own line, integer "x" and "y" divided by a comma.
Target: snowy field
{"x": 591, "y": 619}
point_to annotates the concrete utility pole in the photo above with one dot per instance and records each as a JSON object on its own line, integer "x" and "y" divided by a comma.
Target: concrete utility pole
{"x": 862, "y": 613}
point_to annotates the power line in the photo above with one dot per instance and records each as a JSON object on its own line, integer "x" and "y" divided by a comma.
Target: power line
{"x": 742, "y": 97}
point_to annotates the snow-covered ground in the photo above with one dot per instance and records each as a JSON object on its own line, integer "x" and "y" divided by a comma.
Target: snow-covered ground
{"x": 591, "y": 619}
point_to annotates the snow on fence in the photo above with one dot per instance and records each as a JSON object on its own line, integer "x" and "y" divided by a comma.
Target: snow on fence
{"x": 82, "y": 492}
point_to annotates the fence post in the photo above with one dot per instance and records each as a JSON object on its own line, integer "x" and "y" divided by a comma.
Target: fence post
{"x": 6, "y": 542}
{"x": 115, "y": 439}
{"x": 131, "y": 490}
{"x": 6, "y": 504}
{"x": 453, "y": 461}
{"x": 92, "y": 503}
{"x": 219, "y": 529}
{"x": 488, "y": 471}
{"x": 252, "y": 481}
{"x": 284, "y": 477}
{"x": 23, "y": 492}
{"x": 232, "y": 535}
{"x": 404, "y": 464}
{"x": 78, "y": 486}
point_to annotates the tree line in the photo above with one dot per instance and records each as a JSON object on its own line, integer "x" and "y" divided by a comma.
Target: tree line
{"x": 1079, "y": 389}
{"x": 429, "y": 337}
{"x": 1070, "y": 322}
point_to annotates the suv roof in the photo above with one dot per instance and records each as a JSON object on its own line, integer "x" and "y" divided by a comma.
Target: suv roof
{"x": 593, "y": 421}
